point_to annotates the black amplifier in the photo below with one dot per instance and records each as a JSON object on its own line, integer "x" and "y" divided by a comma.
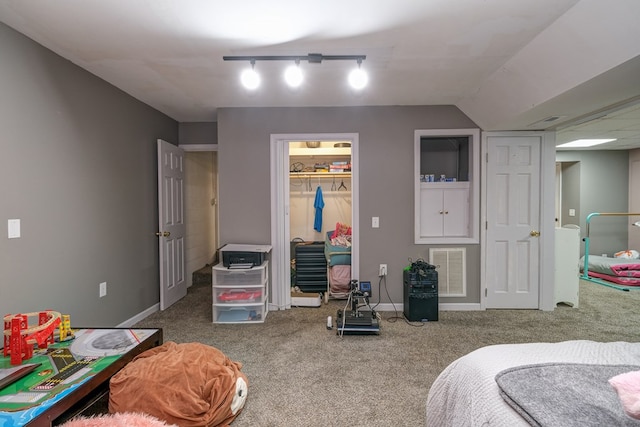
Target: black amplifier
{"x": 420, "y": 294}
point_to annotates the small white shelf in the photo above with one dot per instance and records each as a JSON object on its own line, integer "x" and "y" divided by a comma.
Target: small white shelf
{"x": 319, "y": 174}
{"x": 457, "y": 184}
{"x": 320, "y": 151}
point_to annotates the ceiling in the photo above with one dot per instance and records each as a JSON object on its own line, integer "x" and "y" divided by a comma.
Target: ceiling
{"x": 508, "y": 65}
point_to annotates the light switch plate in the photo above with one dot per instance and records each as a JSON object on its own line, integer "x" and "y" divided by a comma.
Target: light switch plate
{"x": 375, "y": 222}
{"x": 14, "y": 228}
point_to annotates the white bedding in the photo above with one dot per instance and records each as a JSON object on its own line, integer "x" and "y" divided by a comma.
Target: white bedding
{"x": 466, "y": 393}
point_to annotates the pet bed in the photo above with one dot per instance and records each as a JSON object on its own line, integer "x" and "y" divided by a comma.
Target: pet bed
{"x": 467, "y": 393}
{"x": 187, "y": 384}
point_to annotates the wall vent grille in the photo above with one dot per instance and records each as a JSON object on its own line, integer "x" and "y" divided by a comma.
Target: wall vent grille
{"x": 451, "y": 266}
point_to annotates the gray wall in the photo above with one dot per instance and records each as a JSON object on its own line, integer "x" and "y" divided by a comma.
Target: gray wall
{"x": 604, "y": 187}
{"x": 570, "y": 192}
{"x": 79, "y": 171}
{"x": 386, "y": 136}
{"x": 198, "y": 133}
{"x": 634, "y": 197}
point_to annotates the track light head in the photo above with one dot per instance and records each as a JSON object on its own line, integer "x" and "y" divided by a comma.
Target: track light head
{"x": 358, "y": 78}
{"x": 293, "y": 75}
{"x": 250, "y": 78}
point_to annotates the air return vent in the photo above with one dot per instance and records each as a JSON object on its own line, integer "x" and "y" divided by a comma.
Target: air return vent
{"x": 451, "y": 266}
{"x": 546, "y": 122}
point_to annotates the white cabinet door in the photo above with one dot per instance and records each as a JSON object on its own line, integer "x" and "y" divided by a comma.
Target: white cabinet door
{"x": 444, "y": 210}
{"x": 455, "y": 214}
{"x": 567, "y": 270}
{"x": 431, "y": 218}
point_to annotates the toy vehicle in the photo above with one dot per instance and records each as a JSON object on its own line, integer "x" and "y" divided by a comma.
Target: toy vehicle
{"x": 241, "y": 295}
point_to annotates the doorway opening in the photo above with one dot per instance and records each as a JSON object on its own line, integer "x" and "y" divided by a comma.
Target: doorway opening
{"x": 567, "y": 194}
{"x": 299, "y": 174}
{"x": 201, "y": 213}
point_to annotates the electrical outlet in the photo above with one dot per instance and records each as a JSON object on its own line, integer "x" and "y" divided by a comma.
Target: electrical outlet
{"x": 103, "y": 289}
{"x": 383, "y": 270}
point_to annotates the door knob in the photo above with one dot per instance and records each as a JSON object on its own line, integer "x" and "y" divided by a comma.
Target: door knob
{"x": 163, "y": 234}
{"x": 534, "y": 233}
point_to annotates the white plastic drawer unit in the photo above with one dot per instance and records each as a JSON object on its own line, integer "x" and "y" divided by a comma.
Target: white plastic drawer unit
{"x": 249, "y": 313}
{"x": 256, "y": 276}
{"x": 239, "y": 294}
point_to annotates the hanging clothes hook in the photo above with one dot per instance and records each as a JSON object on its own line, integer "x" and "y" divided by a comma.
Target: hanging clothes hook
{"x": 333, "y": 184}
{"x": 342, "y": 186}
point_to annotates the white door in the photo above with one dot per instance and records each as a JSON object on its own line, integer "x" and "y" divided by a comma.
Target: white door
{"x": 171, "y": 226}
{"x": 513, "y": 222}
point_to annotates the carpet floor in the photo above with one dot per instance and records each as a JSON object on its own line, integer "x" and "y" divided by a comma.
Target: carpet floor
{"x": 301, "y": 374}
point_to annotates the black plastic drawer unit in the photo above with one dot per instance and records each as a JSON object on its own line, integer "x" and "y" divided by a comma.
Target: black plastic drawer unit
{"x": 311, "y": 267}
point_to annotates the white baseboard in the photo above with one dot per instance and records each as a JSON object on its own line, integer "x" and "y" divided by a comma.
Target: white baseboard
{"x": 387, "y": 307}
{"x": 441, "y": 307}
{"x": 463, "y": 306}
{"x": 139, "y": 317}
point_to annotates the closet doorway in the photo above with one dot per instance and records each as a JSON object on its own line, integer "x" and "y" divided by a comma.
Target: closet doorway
{"x": 302, "y": 168}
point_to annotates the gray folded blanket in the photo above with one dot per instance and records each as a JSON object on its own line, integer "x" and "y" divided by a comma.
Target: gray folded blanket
{"x": 565, "y": 394}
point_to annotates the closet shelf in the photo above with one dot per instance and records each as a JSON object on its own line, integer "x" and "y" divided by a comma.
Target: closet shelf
{"x": 320, "y": 151}
{"x": 318, "y": 174}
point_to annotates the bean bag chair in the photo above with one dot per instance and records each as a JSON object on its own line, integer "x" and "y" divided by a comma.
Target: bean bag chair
{"x": 117, "y": 420}
{"x": 189, "y": 384}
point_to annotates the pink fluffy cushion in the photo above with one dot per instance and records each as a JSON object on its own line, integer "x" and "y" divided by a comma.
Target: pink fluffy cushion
{"x": 627, "y": 386}
{"x": 124, "y": 419}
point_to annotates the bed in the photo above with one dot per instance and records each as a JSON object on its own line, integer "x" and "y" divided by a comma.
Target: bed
{"x": 337, "y": 251}
{"x": 467, "y": 393}
{"x": 621, "y": 271}
{"x": 618, "y": 272}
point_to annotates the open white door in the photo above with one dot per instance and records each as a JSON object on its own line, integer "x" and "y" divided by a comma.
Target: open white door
{"x": 171, "y": 226}
{"x": 513, "y": 227}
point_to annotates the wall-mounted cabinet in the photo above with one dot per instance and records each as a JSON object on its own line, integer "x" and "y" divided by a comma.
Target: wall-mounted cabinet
{"x": 447, "y": 186}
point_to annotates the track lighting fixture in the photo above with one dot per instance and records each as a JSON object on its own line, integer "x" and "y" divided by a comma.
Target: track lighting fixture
{"x": 250, "y": 79}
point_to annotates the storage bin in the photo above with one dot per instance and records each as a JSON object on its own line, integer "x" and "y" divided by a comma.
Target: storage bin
{"x": 223, "y": 276}
{"x": 239, "y": 294}
{"x": 250, "y": 313}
